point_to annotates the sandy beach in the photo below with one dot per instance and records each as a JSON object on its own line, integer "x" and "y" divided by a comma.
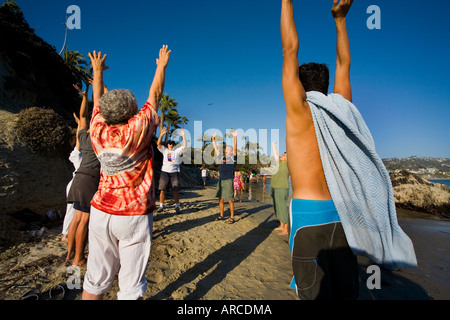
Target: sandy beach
{"x": 194, "y": 257}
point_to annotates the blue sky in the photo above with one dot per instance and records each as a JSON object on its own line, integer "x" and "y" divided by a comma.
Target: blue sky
{"x": 228, "y": 53}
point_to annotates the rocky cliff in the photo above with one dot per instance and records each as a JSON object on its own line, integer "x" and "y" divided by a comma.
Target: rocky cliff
{"x": 32, "y": 73}
{"x": 415, "y": 193}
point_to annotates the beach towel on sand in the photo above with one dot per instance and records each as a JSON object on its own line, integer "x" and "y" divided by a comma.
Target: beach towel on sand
{"x": 359, "y": 183}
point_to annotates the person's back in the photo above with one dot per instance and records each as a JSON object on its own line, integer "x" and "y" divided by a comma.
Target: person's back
{"x": 121, "y": 223}
{"x": 317, "y": 237}
{"x": 126, "y": 153}
{"x": 307, "y": 175}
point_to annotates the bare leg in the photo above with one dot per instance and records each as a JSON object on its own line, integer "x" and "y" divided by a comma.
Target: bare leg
{"x": 89, "y": 296}
{"x": 221, "y": 206}
{"x": 162, "y": 196}
{"x": 176, "y": 196}
{"x": 81, "y": 239}
{"x": 71, "y": 235}
{"x": 231, "y": 203}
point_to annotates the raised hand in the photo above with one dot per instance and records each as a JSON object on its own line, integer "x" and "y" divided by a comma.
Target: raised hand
{"x": 77, "y": 120}
{"x": 164, "y": 55}
{"x": 97, "y": 61}
{"x": 83, "y": 93}
{"x": 341, "y": 10}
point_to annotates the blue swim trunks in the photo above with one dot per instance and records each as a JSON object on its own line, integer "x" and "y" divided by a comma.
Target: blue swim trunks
{"x": 305, "y": 213}
{"x": 323, "y": 264}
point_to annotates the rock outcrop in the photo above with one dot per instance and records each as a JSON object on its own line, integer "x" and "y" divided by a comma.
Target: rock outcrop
{"x": 415, "y": 193}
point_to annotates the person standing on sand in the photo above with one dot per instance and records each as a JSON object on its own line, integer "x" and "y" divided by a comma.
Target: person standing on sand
{"x": 204, "y": 175}
{"x": 75, "y": 157}
{"x": 238, "y": 184}
{"x": 84, "y": 186}
{"x": 279, "y": 185}
{"x": 342, "y": 203}
{"x": 120, "y": 230}
{"x": 170, "y": 169}
{"x": 225, "y": 190}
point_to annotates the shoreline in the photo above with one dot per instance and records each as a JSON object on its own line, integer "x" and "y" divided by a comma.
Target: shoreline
{"x": 194, "y": 257}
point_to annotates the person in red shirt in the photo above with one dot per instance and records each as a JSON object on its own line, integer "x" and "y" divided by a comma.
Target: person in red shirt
{"x": 120, "y": 229}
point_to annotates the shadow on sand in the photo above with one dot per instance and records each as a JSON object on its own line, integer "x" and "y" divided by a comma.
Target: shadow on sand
{"x": 222, "y": 261}
{"x": 393, "y": 285}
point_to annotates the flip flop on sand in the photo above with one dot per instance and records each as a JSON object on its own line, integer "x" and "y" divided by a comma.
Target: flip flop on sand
{"x": 231, "y": 221}
{"x": 57, "y": 292}
{"x": 219, "y": 218}
{"x": 33, "y": 294}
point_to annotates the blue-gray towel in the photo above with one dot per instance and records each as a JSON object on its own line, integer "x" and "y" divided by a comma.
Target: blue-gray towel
{"x": 359, "y": 182}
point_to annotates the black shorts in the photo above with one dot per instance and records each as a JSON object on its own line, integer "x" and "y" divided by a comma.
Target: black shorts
{"x": 164, "y": 179}
{"x": 324, "y": 266}
{"x": 83, "y": 189}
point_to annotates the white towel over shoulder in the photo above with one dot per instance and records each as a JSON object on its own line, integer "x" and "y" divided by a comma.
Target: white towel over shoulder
{"x": 359, "y": 182}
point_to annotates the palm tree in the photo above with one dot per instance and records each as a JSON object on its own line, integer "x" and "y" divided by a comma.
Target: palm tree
{"x": 166, "y": 105}
{"x": 78, "y": 65}
{"x": 173, "y": 122}
{"x": 184, "y": 120}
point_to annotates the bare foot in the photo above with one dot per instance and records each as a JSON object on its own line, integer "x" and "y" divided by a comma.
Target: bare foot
{"x": 283, "y": 233}
{"x": 280, "y": 228}
{"x": 79, "y": 262}
{"x": 70, "y": 256}
{"x": 64, "y": 238}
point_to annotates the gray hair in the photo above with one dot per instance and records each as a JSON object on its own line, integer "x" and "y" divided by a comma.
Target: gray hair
{"x": 118, "y": 106}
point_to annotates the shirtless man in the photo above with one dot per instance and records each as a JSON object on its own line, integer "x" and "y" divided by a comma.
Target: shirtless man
{"x": 310, "y": 190}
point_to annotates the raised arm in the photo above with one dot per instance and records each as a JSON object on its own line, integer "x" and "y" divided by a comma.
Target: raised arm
{"x": 294, "y": 93}
{"x": 82, "y": 121}
{"x": 77, "y": 120}
{"x": 161, "y": 135}
{"x": 216, "y": 149}
{"x": 184, "y": 140}
{"x": 275, "y": 151}
{"x": 157, "y": 88}
{"x": 98, "y": 66}
{"x": 343, "y": 61}
{"x": 235, "y": 134}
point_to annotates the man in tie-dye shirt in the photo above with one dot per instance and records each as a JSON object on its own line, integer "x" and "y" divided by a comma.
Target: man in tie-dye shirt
{"x": 120, "y": 229}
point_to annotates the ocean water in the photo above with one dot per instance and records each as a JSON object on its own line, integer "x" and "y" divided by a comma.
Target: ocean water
{"x": 443, "y": 181}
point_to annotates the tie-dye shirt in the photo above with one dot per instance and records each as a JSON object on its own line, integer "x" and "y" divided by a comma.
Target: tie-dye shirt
{"x": 126, "y": 155}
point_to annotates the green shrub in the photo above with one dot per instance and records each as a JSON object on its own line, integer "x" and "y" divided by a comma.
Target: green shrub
{"x": 44, "y": 132}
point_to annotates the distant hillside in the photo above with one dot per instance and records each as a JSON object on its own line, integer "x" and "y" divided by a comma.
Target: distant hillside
{"x": 428, "y": 167}
{"x": 32, "y": 74}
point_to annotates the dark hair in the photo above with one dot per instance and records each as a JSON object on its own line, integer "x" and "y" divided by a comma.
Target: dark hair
{"x": 315, "y": 77}
{"x": 170, "y": 142}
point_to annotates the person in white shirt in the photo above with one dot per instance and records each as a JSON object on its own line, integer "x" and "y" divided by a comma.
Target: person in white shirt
{"x": 170, "y": 169}
{"x": 204, "y": 175}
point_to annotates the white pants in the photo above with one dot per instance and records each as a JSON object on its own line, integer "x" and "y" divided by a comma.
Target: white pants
{"x": 70, "y": 212}
{"x": 118, "y": 244}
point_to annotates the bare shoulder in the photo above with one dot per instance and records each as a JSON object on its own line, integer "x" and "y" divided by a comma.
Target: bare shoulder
{"x": 298, "y": 117}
